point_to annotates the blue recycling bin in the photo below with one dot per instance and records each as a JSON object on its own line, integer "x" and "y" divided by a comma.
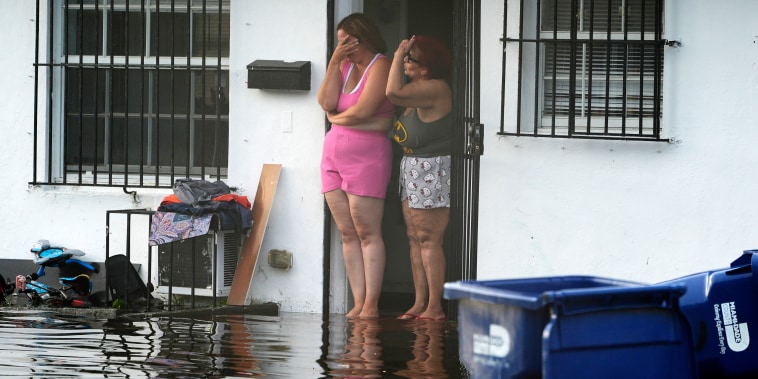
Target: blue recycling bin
{"x": 722, "y": 308}
{"x": 619, "y": 333}
{"x": 524, "y": 328}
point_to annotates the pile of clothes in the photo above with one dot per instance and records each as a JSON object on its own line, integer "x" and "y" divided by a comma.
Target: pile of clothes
{"x": 195, "y": 207}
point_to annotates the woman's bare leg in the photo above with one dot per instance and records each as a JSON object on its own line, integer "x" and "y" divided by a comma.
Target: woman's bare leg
{"x": 367, "y": 213}
{"x": 339, "y": 206}
{"x": 420, "y": 286}
{"x": 430, "y": 225}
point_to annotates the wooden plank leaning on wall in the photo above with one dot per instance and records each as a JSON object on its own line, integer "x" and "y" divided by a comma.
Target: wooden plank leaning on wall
{"x": 264, "y": 198}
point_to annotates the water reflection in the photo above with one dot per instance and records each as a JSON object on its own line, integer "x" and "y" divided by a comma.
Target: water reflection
{"x": 362, "y": 356}
{"x": 390, "y": 348}
{"x": 48, "y": 345}
{"x": 428, "y": 352}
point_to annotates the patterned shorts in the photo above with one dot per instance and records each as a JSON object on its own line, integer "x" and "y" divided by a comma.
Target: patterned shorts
{"x": 425, "y": 182}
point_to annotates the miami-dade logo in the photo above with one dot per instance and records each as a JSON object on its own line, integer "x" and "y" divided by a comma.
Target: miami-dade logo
{"x": 495, "y": 344}
{"x": 734, "y": 332}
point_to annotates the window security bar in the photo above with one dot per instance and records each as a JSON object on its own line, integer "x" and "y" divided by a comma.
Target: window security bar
{"x": 134, "y": 92}
{"x": 583, "y": 69}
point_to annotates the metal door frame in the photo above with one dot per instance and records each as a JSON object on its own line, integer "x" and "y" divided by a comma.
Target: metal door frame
{"x": 462, "y": 237}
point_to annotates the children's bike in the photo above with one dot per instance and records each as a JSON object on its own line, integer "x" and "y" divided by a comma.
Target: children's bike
{"x": 75, "y": 289}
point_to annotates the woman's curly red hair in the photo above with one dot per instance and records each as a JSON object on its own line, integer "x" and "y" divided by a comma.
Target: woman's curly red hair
{"x": 434, "y": 55}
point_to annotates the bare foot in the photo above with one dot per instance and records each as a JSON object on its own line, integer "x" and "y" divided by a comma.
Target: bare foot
{"x": 355, "y": 312}
{"x": 411, "y": 314}
{"x": 369, "y": 312}
{"x": 432, "y": 316}
{"x": 407, "y": 316}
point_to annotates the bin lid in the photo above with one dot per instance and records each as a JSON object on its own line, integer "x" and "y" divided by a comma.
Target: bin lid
{"x": 526, "y": 293}
{"x": 748, "y": 258}
{"x": 586, "y": 300}
{"x": 484, "y": 294}
{"x": 745, "y": 259}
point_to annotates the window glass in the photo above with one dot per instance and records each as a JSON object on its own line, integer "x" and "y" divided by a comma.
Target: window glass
{"x": 127, "y": 34}
{"x": 83, "y": 32}
{"x": 168, "y": 34}
{"x": 208, "y": 29}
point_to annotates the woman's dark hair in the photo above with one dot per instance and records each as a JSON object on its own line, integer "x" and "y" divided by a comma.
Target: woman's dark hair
{"x": 434, "y": 55}
{"x": 361, "y": 27}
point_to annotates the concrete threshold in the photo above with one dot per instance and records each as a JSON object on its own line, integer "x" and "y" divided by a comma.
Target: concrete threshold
{"x": 266, "y": 309}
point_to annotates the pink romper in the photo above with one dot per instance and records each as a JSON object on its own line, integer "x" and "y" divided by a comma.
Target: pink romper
{"x": 357, "y": 161}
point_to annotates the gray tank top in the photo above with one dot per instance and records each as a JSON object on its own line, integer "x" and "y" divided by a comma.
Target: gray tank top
{"x": 424, "y": 139}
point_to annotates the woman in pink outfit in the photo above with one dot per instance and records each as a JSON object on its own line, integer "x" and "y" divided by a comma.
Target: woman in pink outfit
{"x": 357, "y": 155}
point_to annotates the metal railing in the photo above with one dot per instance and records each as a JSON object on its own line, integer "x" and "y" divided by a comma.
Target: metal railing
{"x": 153, "y": 269}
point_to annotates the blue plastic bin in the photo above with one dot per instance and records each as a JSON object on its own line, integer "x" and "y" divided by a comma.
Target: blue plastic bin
{"x": 619, "y": 333}
{"x": 722, "y": 309}
{"x": 501, "y": 322}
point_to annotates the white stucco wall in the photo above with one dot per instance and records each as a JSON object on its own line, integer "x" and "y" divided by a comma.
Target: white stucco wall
{"x": 76, "y": 217}
{"x": 289, "y": 30}
{"x": 635, "y": 210}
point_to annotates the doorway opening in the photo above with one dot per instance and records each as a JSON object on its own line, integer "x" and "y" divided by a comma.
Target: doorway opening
{"x": 398, "y": 20}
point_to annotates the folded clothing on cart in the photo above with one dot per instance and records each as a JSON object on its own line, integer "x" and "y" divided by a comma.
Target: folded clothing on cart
{"x": 175, "y": 220}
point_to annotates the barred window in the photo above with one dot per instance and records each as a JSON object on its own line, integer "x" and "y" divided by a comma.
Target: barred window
{"x": 138, "y": 92}
{"x": 586, "y": 69}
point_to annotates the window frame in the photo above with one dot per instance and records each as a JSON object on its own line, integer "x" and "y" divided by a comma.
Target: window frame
{"x": 581, "y": 117}
{"x": 54, "y": 166}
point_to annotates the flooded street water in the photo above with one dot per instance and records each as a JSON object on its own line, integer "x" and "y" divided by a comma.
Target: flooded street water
{"x": 42, "y": 344}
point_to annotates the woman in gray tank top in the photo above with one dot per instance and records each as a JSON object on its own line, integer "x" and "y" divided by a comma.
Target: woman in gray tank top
{"x": 424, "y": 130}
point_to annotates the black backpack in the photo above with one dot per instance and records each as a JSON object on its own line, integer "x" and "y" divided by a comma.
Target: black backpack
{"x": 124, "y": 282}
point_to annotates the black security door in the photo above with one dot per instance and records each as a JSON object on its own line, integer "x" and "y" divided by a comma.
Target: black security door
{"x": 463, "y": 232}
